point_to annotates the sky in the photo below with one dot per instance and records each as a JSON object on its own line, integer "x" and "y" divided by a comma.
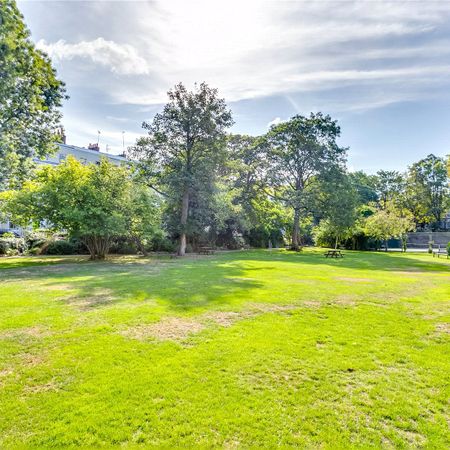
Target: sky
{"x": 381, "y": 68}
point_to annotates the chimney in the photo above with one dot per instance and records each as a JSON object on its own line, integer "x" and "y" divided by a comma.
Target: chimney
{"x": 95, "y": 147}
{"x": 61, "y": 133}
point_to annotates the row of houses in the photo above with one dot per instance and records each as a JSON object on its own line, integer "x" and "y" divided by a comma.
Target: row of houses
{"x": 90, "y": 155}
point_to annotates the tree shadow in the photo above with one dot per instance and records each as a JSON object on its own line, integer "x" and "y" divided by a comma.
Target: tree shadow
{"x": 180, "y": 285}
{"x": 192, "y": 284}
{"x": 376, "y": 261}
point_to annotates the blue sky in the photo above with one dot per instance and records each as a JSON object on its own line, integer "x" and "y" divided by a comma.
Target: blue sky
{"x": 381, "y": 68}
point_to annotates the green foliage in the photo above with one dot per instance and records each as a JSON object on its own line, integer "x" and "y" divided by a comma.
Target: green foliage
{"x": 93, "y": 202}
{"x": 389, "y": 223}
{"x": 11, "y": 245}
{"x": 337, "y": 202}
{"x": 427, "y": 190}
{"x": 299, "y": 152}
{"x": 181, "y": 155}
{"x": 448, "y": 248}
{"x": 390, "y": 185}
{"x": 365, "y": 186}
{"x": 61, "y": 247}
{"x": 30, "y": 95}
{"x": 161, "y": 243}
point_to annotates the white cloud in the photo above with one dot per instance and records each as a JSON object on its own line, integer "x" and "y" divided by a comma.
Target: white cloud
{"x": 275, "y": 121}
{"x": 261, "y": 48}
{"x": 122, "y": 59}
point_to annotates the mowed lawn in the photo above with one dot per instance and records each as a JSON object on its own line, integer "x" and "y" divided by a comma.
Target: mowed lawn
{"x": 239, "y": 349}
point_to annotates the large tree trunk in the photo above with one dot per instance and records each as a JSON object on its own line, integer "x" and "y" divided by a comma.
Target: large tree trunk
{"x": 336, "y": 242}
{"x": 140, "y": 246}
{"x": 98, "y": 246}
{"x": 296, "y": 231}
{"x": 184, "y": 216}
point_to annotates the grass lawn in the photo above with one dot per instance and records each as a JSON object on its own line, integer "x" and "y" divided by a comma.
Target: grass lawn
{"x": 252, "y": 348}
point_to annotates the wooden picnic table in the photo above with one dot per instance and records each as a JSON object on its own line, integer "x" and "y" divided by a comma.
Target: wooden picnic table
{"x": 334, "y": 254}
{"x": 206, "y": 250}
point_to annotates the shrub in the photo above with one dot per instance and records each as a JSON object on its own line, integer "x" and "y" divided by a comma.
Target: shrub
{"x": 60, "y": 247}
{"x": 34, "y": 251}
{"x": 160, "y": 243}
{"x": 237, "y": 242}
{"x": 448, "y": 248}
{"x": 36, "y": 241}
{"x": 11, "y": 246}
{"x": 123, "y": 246}
{"x": 322, "y": 235}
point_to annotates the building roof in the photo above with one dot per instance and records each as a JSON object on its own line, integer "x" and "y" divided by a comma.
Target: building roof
{"x": 69, "y": 148}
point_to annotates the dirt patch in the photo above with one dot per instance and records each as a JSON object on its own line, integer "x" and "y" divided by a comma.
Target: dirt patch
{"x": 410, "y": 437}
{"x": 101, "y": 297}
{"x": 31, "y": 360}
{"x": 225, "y": 318}
{"x": 443, "y": 328}
{"x": 58, "y": 287}
{"x": 178, "y": 329}
{"x": 50, "y": 386}
{"x": 6, "y": 372}
{"x": 312, "y": 304}
{"x": 355, "y": 280}
{"x": 344, "y": 302}
{"x": 172, "y": 328}
{"x": 29, "y": 332}
{"x": 270, "y": 307}
{"x": 407, "y": 270}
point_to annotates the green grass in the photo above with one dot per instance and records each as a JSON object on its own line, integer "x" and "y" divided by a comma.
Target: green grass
{"x": 241, "y": 349}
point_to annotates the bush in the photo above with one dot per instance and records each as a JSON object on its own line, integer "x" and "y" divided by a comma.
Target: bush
{"x": 160, "y": 243}
{"x": 237, "y": 242}
{"x": 10, "y": 246}
{"x": 61, "y": 247}
{"x": 322, "y": 235}
{"x": 448, "y": 248}
{"x": 36, "y": 241}
{"x": 123, "y": 246}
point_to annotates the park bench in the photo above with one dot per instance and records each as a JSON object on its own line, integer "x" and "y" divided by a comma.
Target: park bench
{"x": 206, "y": 250}
{"x": 333, "y": 254}
{"x": 440, "y": 251}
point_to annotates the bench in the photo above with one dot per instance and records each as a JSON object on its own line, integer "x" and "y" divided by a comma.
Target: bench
{"x": 440, "y": 251}
{"x": 333, "y": 254}
{"x": 206, "y": 251}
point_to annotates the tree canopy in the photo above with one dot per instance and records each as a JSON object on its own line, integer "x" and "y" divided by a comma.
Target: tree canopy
{"x": 93, "y": 202}
{"x": 300, "y": 152}
{"x": 30, "y": 95}
{"x": 180, "y": 156}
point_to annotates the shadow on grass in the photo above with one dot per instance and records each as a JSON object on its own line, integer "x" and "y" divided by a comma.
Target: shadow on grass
{"x": 18, "y": 262}
{"x": 194, "y": 283}
{"x": 182, "y": 285}
{"x": 377, "y": 261}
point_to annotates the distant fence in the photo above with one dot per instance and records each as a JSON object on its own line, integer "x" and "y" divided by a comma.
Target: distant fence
{"x": 423, "y": 238}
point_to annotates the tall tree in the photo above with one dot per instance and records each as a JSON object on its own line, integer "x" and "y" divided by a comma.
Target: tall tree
{"x": 365, "y": 185}
{"x": 185, "y": 144}
{"x": 390, "y": 185}
{"x": 30, "y": 95}
{"x": 339, "y": 201}
{"x": 299, "y": 152}
{"x": 428, "y": 194}
{"x": 389, "y": 222}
